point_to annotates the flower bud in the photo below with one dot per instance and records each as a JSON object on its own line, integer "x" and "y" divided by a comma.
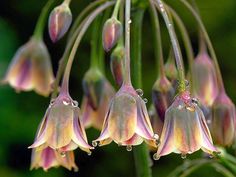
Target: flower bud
{"x": 222, "y": 123}
{"x": 162, "y": 95}
{"x": 31, "y": 68}
{"x": 117, "y": 64}
{"x": 112, "y": 31}
{"x": 59, "y": 21}
{"x": 204, "y": 77}
{"x": 93, "y": 86}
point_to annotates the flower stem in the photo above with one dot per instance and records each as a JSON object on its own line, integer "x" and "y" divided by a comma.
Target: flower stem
{"x": 186, "y": 40}
{"x": 141, "y": 153}
{"x": 94, "y": 44}
{"x": 157, "y": 41}
{"x": 84, "y": 27}
{"x": 208, "y": 41}
{"x": 175, "y": 45}
{"x": 85, "y": 11}
{"x": 116, "y": 9}
{"x": 127, "y": 79}
{"x": 221, "y": 169}
{"x": 40, "y": 25}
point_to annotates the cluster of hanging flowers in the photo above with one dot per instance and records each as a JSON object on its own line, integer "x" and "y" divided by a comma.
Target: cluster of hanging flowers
{"x": 186, "y": 117}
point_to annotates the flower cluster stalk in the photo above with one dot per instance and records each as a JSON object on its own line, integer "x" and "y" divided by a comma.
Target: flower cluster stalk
{"x": 175, "y": 45}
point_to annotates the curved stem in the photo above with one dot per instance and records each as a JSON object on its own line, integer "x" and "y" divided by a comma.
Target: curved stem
{"x": 175, "y": 45}
{"x": 116, "y": 9}
{"x": 141, "y": 152}
{"x": 221, "y": 169}
{"x": 90, "y": 19}
{"x": 127, "y": 80}
{"x": 157, "y": 41}
{"x": 78, "y": 20}
{"x": 94, "y": 44}
{"x": 187, "y": 42}
{"x": 209, "y": 44}
{"x": 39, "y": 28}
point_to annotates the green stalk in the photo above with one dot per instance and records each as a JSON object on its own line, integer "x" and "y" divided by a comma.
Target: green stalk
{"x": 208, "y": 41}
{"x": 40, "y": 25}
{"x": 175, "y": 45}
{"x": 141, "y": 153}
{"x": 82, "y": 15}
{"x": 94, "y": 44}
{"x": 157, "y": 42}
{"x": 116, "y": 9}
{"x": 221, "y": 169}
{"x": 186, "y": 40}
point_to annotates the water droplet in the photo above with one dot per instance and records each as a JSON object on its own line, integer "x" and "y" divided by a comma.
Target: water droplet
{"x": 75, "y": 103}
{"x": 145, "y": 100}
{"x": 183, "y": 156}
{"x": 63, "y": 154}
{"x": 180, "y": 107}
{"x": 139, "y": 92}
{"x": 94, "y": 143}
{"x": 129, "y": 148}
{"x": 155, "y": 136}
{"x": 89, "y": 153}
{"x": 208, "y": 121}
{"x": 130, "y": 21}
{"x": 211, "y": 156}
{"x": 169, "y": 24}
{"x": 156, "y": 156}
{"x": 66, "y": 102}
{"x": 52, "y": 102}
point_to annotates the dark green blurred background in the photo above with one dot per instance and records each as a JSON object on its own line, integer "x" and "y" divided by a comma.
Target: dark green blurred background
{"x": 21, "y": 113}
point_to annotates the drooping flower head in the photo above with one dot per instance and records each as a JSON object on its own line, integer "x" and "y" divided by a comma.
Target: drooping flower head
{"x": 61, "y": 128}
{"x": 59, "y": 21}
{"x": 31, "y": 68}
{"x": 48, "y": 158}
{"x": 223, "y": 120}
{"x": 205, "y": 80}
{"x": 185, "y": 129}
{"x": 95, "y": 117}
{"x": 127, "y": 122}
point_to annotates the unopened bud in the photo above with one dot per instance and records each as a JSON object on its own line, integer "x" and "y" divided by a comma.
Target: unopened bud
{"x": 162, "y": 95}
{"x": 59, "y": 21}
{"x": 93, "y": 85}
{"x": 222, "y": 123}
{"x": 117, "y": 64}
{"x": 112, "y": 31}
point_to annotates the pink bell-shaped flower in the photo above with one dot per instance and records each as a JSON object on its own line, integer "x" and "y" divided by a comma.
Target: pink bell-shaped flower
{"x": 61, "y": 128}
{"x": 185, "y": 129}
{"x": 127, "y": 122}
{"x": 31, "y": 68}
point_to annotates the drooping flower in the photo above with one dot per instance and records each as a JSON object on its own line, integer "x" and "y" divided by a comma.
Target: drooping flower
{"x": 48, "y": 158}
{"x": 61, "y": 128}
{"x": 95, "y": 117}
{"x": 127, "y": 122}
{"x": 185, "y": 129}
{"x": 31, "y": 68}
{"x": 162, "y": 95}
{"x": 117, "y": 64}
{"x": 112, "y": 31}
{"x": 59, "y": 21}
{"x": 223, "y": 120}
{"x": 205, "y": 80}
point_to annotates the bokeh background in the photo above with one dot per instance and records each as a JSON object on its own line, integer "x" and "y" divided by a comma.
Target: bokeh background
{"x": 21, "y": 113}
